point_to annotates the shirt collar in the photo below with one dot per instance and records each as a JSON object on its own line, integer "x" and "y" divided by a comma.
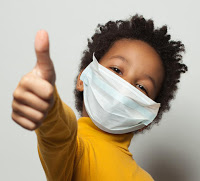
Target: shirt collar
{"x": 87, "y": 128}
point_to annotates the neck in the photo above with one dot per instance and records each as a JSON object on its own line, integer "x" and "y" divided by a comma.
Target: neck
{"x": 84, "y": 112}
{"x": 89, "y": 129}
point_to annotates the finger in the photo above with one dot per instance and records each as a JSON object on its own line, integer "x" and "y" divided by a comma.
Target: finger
{"x": 31, "y": 100}
{"x": 37, "y": 86}
{"x": 27, "y": 112}
{"x": 24, "y": 122}
{"x": 44, "y": 65}
{"x": 42, "y": 48}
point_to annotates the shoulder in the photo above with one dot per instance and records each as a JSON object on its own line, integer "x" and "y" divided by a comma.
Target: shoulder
{"x": 142, "y": 175}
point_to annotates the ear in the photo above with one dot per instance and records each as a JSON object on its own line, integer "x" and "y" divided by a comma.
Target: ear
{"x": 79, "y": 83}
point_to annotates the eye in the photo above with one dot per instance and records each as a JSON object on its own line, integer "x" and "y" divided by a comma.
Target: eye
{"x": 142, "y": 88}
{"x": 116, "y": 70}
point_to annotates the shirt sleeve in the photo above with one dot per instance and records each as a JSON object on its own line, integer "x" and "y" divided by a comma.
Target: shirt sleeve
{"x": 57, "y": 142}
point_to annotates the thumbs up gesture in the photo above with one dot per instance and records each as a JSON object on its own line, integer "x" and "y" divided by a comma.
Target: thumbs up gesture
{"x": 33, "y": 96}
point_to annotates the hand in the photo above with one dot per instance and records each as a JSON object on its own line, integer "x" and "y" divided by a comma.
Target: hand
{"x": 33, "y": 96}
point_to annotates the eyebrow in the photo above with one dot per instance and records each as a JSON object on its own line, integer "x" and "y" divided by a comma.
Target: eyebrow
{"x": 118, "y": 56}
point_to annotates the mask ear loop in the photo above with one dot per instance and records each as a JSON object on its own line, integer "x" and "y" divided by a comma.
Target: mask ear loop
{"x": 94, "y": 58}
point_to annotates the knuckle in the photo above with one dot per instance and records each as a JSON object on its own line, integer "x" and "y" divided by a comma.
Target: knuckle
{"x": 14, "y": 107}
{"x": 49, "y": 92}
{"x": 13, "y": 116}
{"x": 45, "y": 107}
{"x": 25, "y": 80}
{"x": 40, "y": 117}
{"x": 32, "y": 127}
{"x": 17, "y": 93}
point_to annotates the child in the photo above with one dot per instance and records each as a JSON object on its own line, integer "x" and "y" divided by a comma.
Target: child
{"x": 128, "y": 69}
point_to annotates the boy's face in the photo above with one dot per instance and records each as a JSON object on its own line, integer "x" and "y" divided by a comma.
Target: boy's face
{"x": 136, "y": 62}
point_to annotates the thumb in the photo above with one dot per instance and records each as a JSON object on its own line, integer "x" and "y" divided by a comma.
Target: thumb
{"x": 44, "y": 66}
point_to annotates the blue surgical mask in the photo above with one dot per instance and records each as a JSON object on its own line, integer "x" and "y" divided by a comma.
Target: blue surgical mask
{"x": 113, "y": 104}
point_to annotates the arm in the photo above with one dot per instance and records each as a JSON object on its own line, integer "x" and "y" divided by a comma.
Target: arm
{"x": 37, "y": 106}
{"x": 57, "y": 141}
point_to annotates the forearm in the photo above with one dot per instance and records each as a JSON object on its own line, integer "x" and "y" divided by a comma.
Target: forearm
{"x": 57, "y": 141}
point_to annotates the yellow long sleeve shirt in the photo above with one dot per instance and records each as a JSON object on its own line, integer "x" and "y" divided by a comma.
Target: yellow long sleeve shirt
{"x": 80, "y": 151}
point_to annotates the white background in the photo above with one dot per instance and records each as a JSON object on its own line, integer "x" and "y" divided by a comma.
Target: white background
{"x": 169, "y": 151}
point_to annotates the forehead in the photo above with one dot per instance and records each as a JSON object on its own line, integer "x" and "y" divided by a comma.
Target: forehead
{"x": 133, "y": 48}
{"x": 135, "y": 53}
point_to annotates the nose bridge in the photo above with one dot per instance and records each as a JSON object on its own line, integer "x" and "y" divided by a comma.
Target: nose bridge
{"x": 131, "y": 76}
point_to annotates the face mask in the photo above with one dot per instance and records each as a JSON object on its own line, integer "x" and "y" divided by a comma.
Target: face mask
{"x": 114, "y": 105}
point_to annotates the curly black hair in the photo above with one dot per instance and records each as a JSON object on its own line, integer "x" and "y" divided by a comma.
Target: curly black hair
{"x": 139, "y": 28}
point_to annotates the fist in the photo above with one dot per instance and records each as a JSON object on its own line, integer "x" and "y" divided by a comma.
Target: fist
{"x": 33, "y": 97}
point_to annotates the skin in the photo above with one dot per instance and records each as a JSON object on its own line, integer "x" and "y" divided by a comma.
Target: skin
{"x": 33, "y": 97}
{"x": 133, "y": 60}
{"x": 136, "y": 62}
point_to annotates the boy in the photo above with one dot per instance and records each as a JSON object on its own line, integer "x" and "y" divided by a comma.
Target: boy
{"x": 118, "y": 95}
